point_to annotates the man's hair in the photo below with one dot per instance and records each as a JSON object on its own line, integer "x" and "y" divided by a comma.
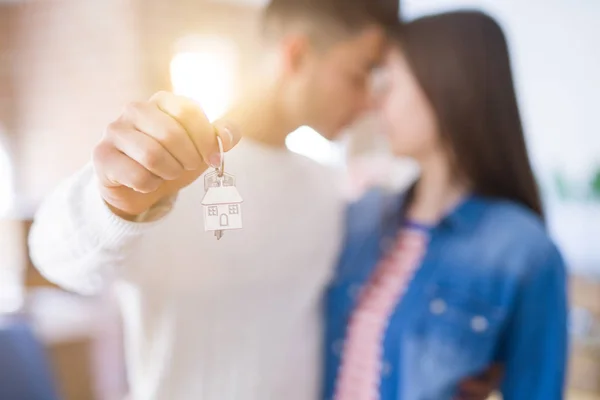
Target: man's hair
{"x": 328, "y": 18}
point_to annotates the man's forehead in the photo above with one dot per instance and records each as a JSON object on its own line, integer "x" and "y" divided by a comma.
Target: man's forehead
{"x": 368, "y": 47}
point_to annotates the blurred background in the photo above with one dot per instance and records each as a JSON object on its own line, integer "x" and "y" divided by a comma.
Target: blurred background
{"x": 68, "y": 66}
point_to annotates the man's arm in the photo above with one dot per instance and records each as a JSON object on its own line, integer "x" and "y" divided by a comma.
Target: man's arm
{"x": 482, "y": 386}
{"x": 534, "y": 349}
{"x": 77, "y": 242}
{"x": 85, "y": 230}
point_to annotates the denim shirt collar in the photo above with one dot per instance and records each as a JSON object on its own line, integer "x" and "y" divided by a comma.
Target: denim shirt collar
{"x": 460, "y": 217}
{"x": 465, "y": 213}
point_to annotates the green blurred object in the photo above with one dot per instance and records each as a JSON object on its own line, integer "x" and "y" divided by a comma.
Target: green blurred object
{"x": 595, "y": 185}
{"x": 562, "y": 187}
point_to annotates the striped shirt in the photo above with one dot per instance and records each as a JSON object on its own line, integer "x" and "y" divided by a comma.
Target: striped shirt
{"x": 361, "y": 366}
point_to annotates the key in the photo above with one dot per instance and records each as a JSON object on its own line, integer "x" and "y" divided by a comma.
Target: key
{"x": 222, "y": 202}
{"x": 212, "y": 179}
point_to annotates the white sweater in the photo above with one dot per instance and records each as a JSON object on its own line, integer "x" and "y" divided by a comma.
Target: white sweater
{"x": 204, "y": 319}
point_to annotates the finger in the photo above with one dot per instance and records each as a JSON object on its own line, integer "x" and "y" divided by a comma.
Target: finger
{"x": 486, "y": 382}
{"x": 195, "y": 122}
{"x": 151, "y": 120}
{"x": 496, "y": 372}
{"x": 466, "y": 396}
{"x": 147, "y": 151}
{"x": 230, "y": 136}
{"x": 475, "y": 385}
{"x": 191, "y": 117}
{"x": 117, "y": 169}
{"x": 462, "y": 395}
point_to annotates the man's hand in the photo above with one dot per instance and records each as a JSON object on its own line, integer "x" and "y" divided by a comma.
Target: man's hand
{"x": 154, "y": 149}
{"x": 482, "y": 386}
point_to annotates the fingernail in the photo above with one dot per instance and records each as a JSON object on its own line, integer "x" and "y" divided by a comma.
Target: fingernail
{"x": 229, "y": 135}
{"x": 215, "y": 160}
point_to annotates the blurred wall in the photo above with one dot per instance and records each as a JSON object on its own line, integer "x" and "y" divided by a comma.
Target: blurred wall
{"x": 75, "y": 66}
{"x": 7, "y": 90}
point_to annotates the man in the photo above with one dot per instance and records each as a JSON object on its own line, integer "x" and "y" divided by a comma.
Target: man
{"x": 238, "y": 318}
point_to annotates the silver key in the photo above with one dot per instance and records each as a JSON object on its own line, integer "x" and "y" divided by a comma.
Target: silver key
{"x": 212, "y": 179}
{"x": 222, "y": 202}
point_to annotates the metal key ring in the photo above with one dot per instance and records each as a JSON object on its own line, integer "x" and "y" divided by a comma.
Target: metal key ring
{"x": 220, "y": 168}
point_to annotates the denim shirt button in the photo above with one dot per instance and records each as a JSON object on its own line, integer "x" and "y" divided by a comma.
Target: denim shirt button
{"x": 437, "y": 306}
{"x": 479, "y": 324}
{"x": 337, "y": 346}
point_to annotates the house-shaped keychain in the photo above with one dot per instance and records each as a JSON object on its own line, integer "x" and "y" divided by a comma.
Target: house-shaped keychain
{"x": 222, "y": 208}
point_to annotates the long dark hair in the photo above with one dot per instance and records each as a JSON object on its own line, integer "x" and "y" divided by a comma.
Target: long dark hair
{"x": 462, "y": 64}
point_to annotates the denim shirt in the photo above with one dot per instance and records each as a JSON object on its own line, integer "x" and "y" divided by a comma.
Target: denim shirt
{"x": 491, "y": 289}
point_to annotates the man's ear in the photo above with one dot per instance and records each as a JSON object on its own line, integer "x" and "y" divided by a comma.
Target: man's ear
{"x": 295, "y": 52}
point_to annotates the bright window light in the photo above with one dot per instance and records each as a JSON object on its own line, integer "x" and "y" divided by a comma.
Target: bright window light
{"x": 204, "y": 69}
{"x": 311, "y": 144}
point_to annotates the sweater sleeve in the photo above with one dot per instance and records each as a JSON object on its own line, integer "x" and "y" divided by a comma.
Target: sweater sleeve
{"x": 77, "y": 242}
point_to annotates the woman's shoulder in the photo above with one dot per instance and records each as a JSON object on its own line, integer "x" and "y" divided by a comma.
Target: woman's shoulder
{"x": 517, "y": 233}
{"x": 514, "y": 220}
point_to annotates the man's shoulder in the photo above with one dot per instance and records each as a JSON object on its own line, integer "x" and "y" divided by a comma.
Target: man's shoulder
{"x": 323, "y": 179}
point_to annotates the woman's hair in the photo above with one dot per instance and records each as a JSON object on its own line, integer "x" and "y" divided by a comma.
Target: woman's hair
{"x": 461, "y": 62}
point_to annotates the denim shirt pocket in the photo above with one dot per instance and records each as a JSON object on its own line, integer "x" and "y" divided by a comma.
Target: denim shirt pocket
{"x": 452, "y": 336}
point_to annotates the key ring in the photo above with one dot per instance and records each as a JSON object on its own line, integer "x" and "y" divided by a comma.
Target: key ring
{"x": 221, "y": 168}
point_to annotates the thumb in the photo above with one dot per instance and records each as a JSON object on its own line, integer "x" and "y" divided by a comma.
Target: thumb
{"x": 230, "y": 136}
{"x": 229, "y": 133}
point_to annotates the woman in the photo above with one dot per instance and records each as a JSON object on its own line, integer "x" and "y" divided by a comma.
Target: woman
{"x": 458, "y": 274}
